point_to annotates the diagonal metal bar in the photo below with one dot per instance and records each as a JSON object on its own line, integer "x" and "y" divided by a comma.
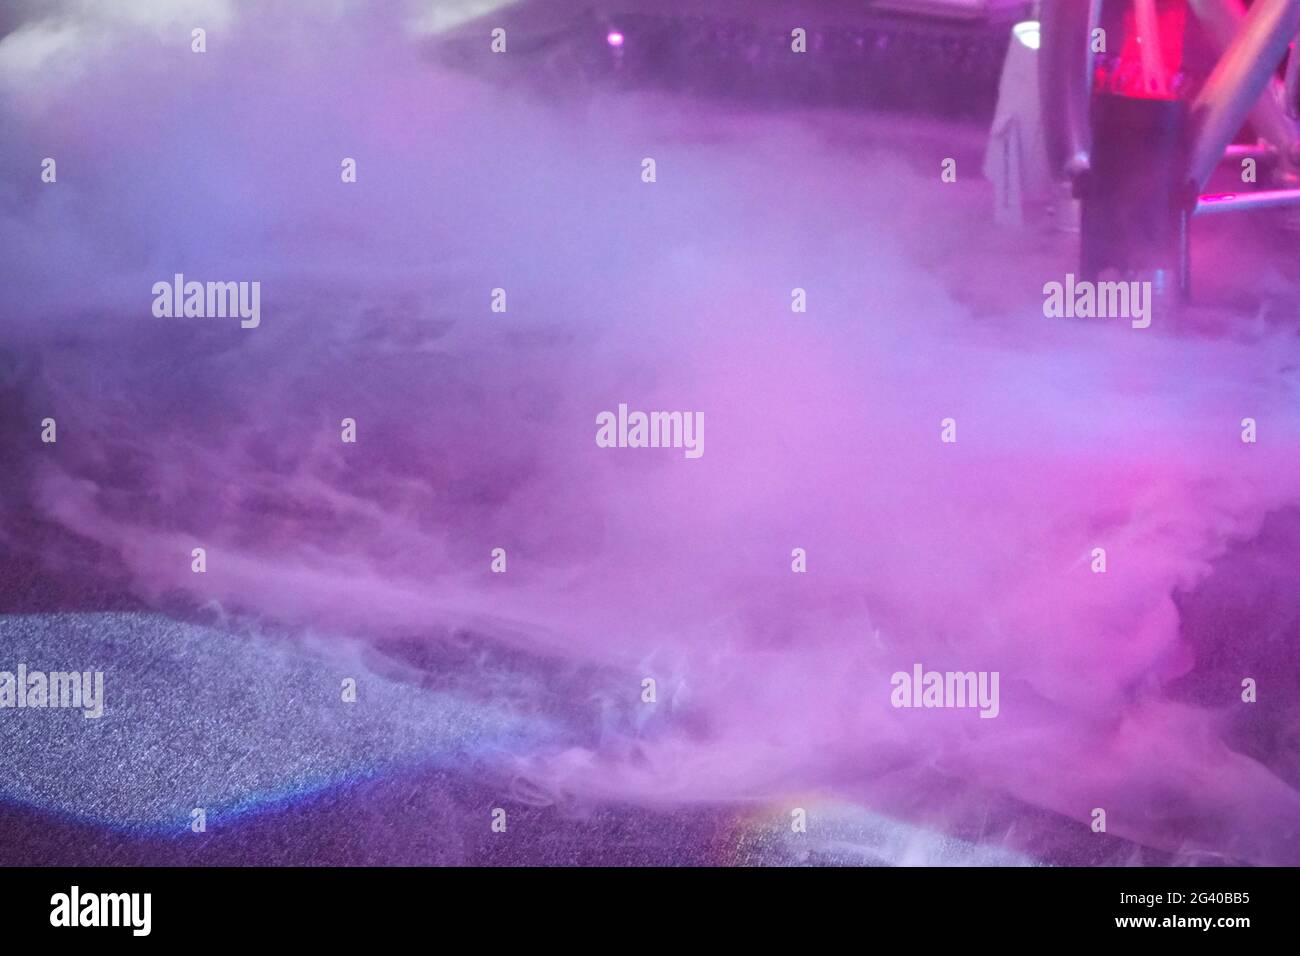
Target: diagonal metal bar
{"x": 1244, "y": 71}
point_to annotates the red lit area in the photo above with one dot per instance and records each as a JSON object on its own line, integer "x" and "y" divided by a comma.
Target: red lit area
{"x": 1149, "y": 50}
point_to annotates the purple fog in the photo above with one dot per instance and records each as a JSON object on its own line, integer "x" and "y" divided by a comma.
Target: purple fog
{"x": 476, "y": 430}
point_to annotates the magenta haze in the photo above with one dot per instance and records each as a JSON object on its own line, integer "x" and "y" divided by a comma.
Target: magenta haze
{"x": 474, "y": 428}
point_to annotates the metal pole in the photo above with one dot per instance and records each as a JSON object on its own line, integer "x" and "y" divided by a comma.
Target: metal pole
{"x": 1240, "y": 151}
{"x": 1214, "y": 204}
{"x": 1222, "y": 20}
{"x": 1184, "y": 255}
{"x": 1065, "y": 81}
{"x": 1291, "y": 85}
{"x": 1237, "y": 81}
